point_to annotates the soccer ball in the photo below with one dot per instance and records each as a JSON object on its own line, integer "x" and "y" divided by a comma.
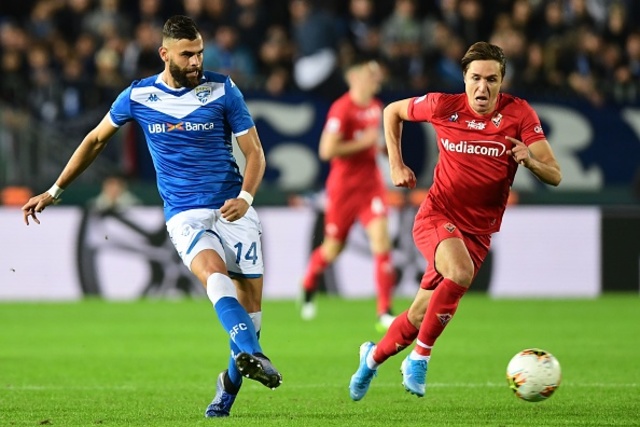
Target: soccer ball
{"x": 533, "y": 374}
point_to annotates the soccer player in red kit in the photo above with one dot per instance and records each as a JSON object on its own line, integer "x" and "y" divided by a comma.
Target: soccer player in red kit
{"x": 483, "y": 136}
{"x": 355, "y": 189}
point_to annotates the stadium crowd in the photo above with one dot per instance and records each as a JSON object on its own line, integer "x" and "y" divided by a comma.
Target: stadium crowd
{"x": 64, "y": 61}
{"x": 60, "y": 57}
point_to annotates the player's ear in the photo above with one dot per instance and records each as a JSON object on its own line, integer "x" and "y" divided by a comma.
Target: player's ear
{"x": 164, "y": 53}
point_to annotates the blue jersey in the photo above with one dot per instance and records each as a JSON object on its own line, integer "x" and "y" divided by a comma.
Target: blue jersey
{"x": 188, "y": 132}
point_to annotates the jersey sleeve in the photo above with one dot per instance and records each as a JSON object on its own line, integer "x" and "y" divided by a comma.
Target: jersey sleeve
{"x": 120, "y": 112}
{"x": 422, "y": 108}
{"x": 336, "y": 119}
{"x": 237, "y": 111}
{"x": 531, "y": 129}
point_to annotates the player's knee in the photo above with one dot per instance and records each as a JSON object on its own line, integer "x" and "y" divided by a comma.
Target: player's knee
{"x": 330, "y": 251}
{"x": 380, "y": 245}
{"x": 459, "y": 272}
{"x": 220, "y": 286}
{"x": 415, "y": 315}
{"x": 461, "y": 275}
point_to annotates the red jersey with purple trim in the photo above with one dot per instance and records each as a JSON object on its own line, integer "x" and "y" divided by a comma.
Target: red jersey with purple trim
{"x": 357, "y": 173}
{"x": 473, "y": 175}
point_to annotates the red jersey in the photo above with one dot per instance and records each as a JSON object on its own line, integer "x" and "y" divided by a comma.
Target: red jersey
{"x": 473, "y": 175}
{"x": 358, "y": 172}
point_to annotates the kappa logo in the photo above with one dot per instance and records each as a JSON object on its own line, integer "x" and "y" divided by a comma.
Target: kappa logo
{"x": 153, "y": 98}
{"x": 444, "y": 318}
{"x": 203, "y": 93}
{"x": 449, "y": 227}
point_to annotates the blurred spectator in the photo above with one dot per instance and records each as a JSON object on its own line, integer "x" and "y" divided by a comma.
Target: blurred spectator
{"x": 533, "y": 78}
{"x": 315, "y": 36}
{"x": 400, "y": 41}
{"x": 448, "y": 69}
{"x": 77, "y": 90}
{"x": 363, "y": 29}
{"x": 40, "y": 24}
{"x": 250, "y": 19}
{"x": 141, "y": 58}
{"x": 14, "y": 82}
{"x": 44, "y": 88}
{"x": 150, "y": 12}
{"x": 583, "y": 66}
{"x": 578, "y": 15}
{"x": 114, "y": 195}
{"x": 69, "y": 19}
{"x": 107, "y": 20}
{"x": 472, "y": 24}
{"x": 514, "y": 45}
{"x": 224, "y": 55}
{"x": 616, "y": 30}
{"x": 108, "y": 80}
{"x": 276, "y": 60}
{"x": 522, "y": 18}
{"x": 217, "y": 12}
{"x": 552, "y": 27}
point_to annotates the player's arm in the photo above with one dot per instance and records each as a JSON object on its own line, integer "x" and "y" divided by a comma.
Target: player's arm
{"x": 394, "y": 115}
{"x": 538, "y": 157}
{"x": 333, "y": 145}
{"x": 251, "y": 147}
{"x": 92, "y": 144}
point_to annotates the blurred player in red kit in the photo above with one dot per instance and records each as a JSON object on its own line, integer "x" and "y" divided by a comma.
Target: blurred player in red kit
{"x": 355, "y": 189}
{"x": 482, "y": 136}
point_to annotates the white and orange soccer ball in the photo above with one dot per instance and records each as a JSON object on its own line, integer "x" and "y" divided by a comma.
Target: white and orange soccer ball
{"x": 533, "y": 374}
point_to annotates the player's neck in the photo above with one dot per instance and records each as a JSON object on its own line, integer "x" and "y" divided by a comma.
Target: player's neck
{"x": 169, "y": 80}
{"x": 360, "y": 98}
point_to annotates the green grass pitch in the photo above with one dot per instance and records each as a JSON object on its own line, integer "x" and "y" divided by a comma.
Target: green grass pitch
{"x": 154, "y": 363}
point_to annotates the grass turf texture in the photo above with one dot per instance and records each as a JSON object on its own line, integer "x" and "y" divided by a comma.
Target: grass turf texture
{"x": 154, "y": 363}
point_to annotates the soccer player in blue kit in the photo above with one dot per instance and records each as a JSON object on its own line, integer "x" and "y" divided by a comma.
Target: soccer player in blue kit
{"x": 188, "y": 116}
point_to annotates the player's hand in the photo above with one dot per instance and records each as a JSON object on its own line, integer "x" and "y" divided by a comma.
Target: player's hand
{"x": 234, "y": 209}
{"x": 370, "y": 136}
{"x": 35, "y": 205}
{"x": 403, "y": 176}
{"x": 519, "y": 151}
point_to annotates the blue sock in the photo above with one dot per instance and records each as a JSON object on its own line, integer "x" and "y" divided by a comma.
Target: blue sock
{"x": 236, "y": 321}
{"x": 232, "y": 371}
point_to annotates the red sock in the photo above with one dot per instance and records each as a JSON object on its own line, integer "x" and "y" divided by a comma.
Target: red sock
{"x": 385, "y": 281}
{"x": 316, "y": 265}
{"x": 442, "y": 306}
{"x": 400, "y": 335}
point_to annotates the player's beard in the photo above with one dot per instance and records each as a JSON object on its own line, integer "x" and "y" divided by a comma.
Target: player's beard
{"x": 180, "y": 75}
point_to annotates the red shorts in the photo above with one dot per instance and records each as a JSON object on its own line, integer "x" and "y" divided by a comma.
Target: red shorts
{"x": 343, "y": 210}
{"x": 431, "y": 228}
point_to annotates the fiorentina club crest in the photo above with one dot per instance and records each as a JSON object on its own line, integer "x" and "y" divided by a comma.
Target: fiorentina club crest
{"x": 203, "y": 93}
{"x": 444, "y": 318}
{"x": 497, "y": 118}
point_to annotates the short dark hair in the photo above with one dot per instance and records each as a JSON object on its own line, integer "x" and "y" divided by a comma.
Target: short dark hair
{"x": 180, "y": 27}
{"x": 481, "y": 51}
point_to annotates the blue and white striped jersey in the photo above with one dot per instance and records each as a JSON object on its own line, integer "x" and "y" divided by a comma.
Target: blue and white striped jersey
{"x": 188, "y": 132}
